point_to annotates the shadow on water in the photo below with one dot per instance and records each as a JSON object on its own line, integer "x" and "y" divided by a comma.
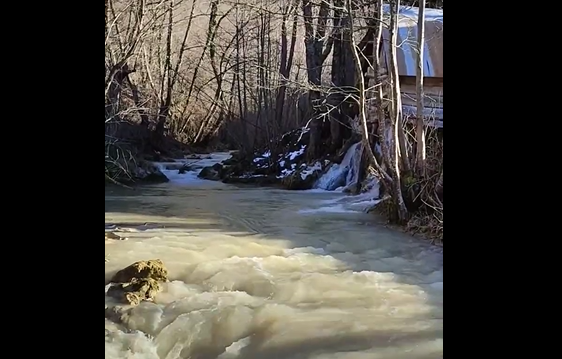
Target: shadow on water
{"x": 341, "y": 343}
{"x": 241, "y": 211}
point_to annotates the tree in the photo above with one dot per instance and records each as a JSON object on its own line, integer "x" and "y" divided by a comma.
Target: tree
{"x": 420, "y": 126}
{"x": 318, "y": 47}
{"x": 287, "y": 55}
{"x": 231, "y": 72}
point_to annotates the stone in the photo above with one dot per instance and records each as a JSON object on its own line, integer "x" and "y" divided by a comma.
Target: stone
{"x": 135, "y": 291}
{"x": 147, "y": 172}
{"x": 151, "y": 269}
{"x": 113, "y": 236}
{"x": 184, "y": 169}
{"x": 138, "y": 282}
{"x": 299, "y": 181}
{"x": 211, "y": 173}
{"x": 155, "y": 177}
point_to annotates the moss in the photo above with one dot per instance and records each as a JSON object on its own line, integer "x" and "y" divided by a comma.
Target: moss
{"x": 153, "y": 269}
{"x": 409, "y": 181}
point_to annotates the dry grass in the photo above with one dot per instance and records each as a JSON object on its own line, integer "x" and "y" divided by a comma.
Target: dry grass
{"x": 118, "y": 162}
{"x": 427, "y": 225}
{"x": 428, "y": 220}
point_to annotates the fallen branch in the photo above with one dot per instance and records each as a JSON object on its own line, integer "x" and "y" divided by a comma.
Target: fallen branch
{"x": 117, "y": 182}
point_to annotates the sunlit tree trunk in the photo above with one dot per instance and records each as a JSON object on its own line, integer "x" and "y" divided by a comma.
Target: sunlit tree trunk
{"x": 420, "y": 130}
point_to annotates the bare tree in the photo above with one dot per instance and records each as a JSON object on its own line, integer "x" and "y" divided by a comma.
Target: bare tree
{"x": 420, "y": 125}
{"x": 126, "y": 42}
{"x": 343, "y": 75}
{"x": 392, "y": 181}
{"x": 231, "y": 72}
{"x": 400, "y": 151}
{"x": 287, "y": 55}
{"x": 318, "y": 47}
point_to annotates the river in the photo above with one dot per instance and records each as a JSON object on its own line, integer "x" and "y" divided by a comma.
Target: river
{"x": 270, "y": 274}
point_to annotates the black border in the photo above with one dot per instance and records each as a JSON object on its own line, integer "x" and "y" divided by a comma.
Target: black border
{"x": 488, "y": 97}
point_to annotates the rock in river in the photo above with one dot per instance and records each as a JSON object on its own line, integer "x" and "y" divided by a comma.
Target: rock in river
{"x": 138, "y": 282}
{"x": 134, "y": 291}
{"x": 153, "y": 269}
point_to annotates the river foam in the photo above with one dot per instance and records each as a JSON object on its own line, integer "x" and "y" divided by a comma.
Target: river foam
{"x": 267, "y": 274}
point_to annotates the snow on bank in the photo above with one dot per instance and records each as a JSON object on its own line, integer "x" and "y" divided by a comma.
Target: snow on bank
{"x": 293, "y": 172}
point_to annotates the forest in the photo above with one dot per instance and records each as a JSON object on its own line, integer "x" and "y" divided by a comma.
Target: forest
{"x": 187, "y": 76}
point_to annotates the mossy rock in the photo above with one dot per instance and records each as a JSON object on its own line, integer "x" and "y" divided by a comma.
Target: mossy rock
{"x": 135, "y": 291}
{"x": 151, "y": 269}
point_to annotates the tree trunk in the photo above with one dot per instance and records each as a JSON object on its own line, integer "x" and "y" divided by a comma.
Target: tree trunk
{"x": 316, "y": 53}
{"x": 362, "y": 102}
{"x": 420, "y": 129}
{"x": 396, "y": 108}
{"x": 287, "y": 56}
{"x": 343, "y": 78}
{"x": 399, "y": 146}
{"x": 166, "y": 86}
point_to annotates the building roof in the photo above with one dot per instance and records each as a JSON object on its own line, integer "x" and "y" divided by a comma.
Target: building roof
{"x": 407, "y": 41}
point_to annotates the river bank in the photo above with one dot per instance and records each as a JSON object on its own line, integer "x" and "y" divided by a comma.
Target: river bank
{"x": 133, "y": 151}
{"x": 196, "y": 166}
{"x": 284, "y": 164}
